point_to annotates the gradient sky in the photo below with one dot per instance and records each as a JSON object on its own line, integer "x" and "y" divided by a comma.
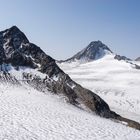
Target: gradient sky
{"x": 63, "y": 27}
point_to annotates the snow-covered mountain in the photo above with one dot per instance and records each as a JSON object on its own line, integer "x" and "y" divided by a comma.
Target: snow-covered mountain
{"x": 95, "y": 50}
{"x": 28, "y": 78}
{"x": 115, "y": 78}
{"x": 117, "y": 82}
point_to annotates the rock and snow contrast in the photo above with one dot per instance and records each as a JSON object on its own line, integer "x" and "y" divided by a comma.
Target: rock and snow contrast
{"x": 39, "y": 101}
{"x": 95, "y": 50}
{"x": 117, "y": 81}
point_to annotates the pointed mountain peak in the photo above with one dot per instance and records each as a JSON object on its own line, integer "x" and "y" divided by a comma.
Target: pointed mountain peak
{"x": 16, "y": 50}
{"x": 14, "y": 28}
{"x": 95, "y": 50}
{"x": 96, "y": 42}
{"x": 14, "y": 33}
{"x": 12, "y": 39}
{"x": 96, "y": 45}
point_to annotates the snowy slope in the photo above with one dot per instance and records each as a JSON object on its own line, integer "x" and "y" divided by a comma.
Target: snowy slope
{"x": 29, "y": 111}
{"x": 117, "y": 82}
{"x": 27, "y": 114}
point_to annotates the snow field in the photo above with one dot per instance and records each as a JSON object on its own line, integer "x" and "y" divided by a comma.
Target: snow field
{"x": 26, "y": 114}
{"x": 117, "y": 82}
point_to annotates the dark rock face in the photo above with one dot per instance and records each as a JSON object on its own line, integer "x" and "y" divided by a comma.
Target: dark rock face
{"x": 138, "y": 59}
{"x": 95, "y": 50}
{"x": 11, "y": 40}
{"x": 17, "y": 51}
{"x": 118, "y": 57}
{"x": 127, "y": 60}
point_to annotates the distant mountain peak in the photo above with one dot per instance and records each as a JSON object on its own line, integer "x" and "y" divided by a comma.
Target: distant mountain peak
{"x": 98, "y": 45}
{"x": 94, "y": 51}
{"x": 95, "y": 42}
{"x": 97, "y": 50}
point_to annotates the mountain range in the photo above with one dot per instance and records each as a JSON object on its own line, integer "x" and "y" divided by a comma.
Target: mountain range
{"x": 108, "y": 74}
{"x": 94, "y": 51}
{"x": 24, "y": 64}
{"x": 18, "y": 54}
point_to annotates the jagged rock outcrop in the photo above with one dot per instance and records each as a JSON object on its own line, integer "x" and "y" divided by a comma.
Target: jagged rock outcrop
{"x": 119, "y": 57}
{"x": 16, "y": 52}
{"x": 127, "y": 60}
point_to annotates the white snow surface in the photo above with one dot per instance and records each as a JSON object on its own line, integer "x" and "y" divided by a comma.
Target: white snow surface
{"x": 117, "y": 82}
{"x": 18, "y": 74}
{"x": 27, "y": 114}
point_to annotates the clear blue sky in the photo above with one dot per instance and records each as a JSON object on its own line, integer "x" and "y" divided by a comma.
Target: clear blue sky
{"x": 63, "y": 27}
